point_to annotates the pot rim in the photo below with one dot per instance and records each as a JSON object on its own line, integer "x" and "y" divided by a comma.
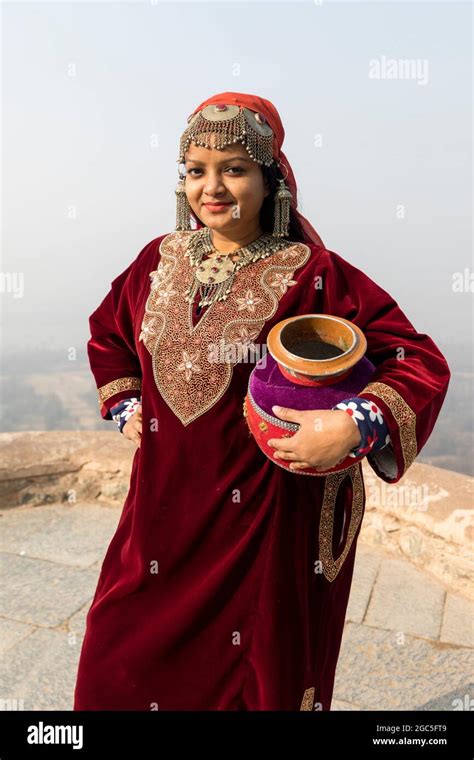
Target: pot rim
{"x": 334, "y": 366}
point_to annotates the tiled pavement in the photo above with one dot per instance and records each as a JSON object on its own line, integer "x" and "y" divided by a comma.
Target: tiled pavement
{"x": 407, "y": 645}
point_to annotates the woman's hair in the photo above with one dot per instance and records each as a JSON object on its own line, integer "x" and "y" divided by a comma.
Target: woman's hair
{"x": 295, "y": 231}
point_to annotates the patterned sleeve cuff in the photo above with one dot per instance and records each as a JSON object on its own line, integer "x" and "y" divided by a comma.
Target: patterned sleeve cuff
{"x": 368, "y": 417}
{"x": 122, "y": 411}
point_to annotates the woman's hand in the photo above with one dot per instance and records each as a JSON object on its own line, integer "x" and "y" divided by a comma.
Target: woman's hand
{"x": 325, "y": 437}
{"x": 133, "y": 427}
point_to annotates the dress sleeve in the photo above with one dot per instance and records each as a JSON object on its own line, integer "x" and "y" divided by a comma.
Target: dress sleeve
{"x": 411, "y": 374}
{"x": 369, "y": 419}
{"x": 111, "y": 349}
{"x": 125, "y": 409}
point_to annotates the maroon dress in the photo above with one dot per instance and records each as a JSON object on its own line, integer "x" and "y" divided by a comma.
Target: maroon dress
{"x": 226, "y": 583}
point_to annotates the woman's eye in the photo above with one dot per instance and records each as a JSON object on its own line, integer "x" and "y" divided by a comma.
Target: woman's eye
{"x": 229, "y": 168}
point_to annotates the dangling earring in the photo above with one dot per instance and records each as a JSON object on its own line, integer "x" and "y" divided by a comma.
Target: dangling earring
{"x": 283, "y": 200}
{"x": 183, "y": 209}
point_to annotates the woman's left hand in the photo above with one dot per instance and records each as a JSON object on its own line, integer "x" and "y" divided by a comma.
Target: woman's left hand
{"x": 325, "y": 437}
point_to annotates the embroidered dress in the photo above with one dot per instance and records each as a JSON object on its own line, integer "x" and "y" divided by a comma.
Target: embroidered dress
{"x": 226, "y": 583}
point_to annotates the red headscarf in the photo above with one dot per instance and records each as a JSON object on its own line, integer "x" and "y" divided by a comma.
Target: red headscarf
{"x": 265, "y": 107}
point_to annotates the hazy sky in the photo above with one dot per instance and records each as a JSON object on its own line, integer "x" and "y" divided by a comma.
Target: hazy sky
{"x": 90, "y": 87}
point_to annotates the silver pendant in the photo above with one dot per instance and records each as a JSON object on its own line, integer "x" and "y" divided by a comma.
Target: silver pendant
{"x": 214, "y": 271}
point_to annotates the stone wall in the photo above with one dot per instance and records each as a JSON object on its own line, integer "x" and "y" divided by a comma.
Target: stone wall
{"x": 426, "y": 517}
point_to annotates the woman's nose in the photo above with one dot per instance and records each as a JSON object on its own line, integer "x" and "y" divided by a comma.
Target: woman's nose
{"x": 213, "y": 184}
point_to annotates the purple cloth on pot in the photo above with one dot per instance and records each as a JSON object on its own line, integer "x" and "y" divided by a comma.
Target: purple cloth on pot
{"x": 269, "y": 387}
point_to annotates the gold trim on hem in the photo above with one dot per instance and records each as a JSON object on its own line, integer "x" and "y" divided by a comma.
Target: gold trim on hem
{"x": 331, "y": 567}
{"x": 404, "y": 416}
{"x": 308, "y": 699}
{"x": 116, "y": 386}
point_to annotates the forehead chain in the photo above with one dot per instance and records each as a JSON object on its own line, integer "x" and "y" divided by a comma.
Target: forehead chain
{"x": 229, "y": 124}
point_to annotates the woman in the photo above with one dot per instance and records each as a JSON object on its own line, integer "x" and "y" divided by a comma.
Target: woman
{"x": 226, "y": 583}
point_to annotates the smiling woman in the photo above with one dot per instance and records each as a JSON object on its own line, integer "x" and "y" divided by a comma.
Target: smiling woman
{"x": 237, "y": 192}
{"x": 226, "y": 583}
{"x": 226, "y": 194}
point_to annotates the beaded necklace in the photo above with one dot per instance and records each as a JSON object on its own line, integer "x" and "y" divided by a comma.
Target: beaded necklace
{"x": 214, "y": 277}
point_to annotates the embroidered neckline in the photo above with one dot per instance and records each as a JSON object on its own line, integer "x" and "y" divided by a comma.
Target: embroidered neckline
{"x": 189, "y": 377}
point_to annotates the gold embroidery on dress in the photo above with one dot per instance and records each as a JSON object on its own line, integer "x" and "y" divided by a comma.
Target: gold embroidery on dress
{"x": 331, "y": 567}
{"x": 404, "y": 416}
{"x": 122, "y": 384}
{"x": 187, "y": 373}
{"x": 308, "y": 699}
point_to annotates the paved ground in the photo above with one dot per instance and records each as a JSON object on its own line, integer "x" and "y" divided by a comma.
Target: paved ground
{"x": 408, "y": 642}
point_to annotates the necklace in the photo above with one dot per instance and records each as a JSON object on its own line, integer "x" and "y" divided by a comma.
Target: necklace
{"x": 214, "y": 277}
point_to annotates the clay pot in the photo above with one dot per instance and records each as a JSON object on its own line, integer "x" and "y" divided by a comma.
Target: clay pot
{"x": 313, "y": 362}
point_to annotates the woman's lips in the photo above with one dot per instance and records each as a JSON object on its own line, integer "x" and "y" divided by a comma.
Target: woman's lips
{"x": 217, "y": 206}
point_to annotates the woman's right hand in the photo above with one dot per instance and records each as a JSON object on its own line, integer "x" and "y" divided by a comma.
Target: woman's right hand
{"x": 133, "y": 427}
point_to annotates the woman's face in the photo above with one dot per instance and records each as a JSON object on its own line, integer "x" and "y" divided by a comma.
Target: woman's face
{"x": 228, "y": 176}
